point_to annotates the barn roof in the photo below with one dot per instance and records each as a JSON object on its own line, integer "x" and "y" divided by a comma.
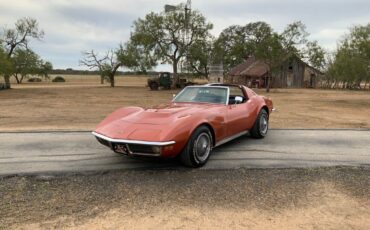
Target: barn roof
{"x": 257, "y": 68}
{"x": 242, "y": 66}
{"x": 250, "y": 67}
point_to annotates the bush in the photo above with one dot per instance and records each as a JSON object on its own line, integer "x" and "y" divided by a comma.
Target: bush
{"x": 34, "y": 79}
{"x": 59, "y": 79}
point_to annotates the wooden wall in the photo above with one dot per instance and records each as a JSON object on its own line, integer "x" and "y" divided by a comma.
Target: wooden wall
{"x": 294, "y": 73}
{"x": 291, "y": 75}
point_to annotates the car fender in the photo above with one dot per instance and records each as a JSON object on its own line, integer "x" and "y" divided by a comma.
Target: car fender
{"x": 119, "y": 113}
{"x": 215, "y": 125}
{"x": 183, "y": 130}
{"x": 261, "y": 103}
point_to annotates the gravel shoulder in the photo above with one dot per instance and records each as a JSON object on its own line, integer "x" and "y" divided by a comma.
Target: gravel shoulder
{"x": 321, "y": 198}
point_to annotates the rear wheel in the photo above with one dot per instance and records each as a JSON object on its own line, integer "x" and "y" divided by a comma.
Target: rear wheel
{"x": 198, "y": 149}
{"x": 153, "y": 85}
{"x": 261, "y": 125}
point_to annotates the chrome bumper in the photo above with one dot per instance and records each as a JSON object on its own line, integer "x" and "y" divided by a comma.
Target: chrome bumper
{"x": 130, "y": 147}
{"x": 156, "y": 143}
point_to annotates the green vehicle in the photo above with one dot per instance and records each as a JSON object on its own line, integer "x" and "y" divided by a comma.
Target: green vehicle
{"x": 164, "y": 80}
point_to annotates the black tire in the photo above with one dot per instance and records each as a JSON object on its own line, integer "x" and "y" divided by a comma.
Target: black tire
{"x": 198, "y": 149}
{"x": 261, "y": 125}
{"x": 153, "y": 86}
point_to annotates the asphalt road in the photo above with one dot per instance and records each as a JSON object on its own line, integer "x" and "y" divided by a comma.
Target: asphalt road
{"x": 79, "y": 152}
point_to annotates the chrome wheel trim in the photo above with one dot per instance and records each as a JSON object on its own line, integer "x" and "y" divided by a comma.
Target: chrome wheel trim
{"x": 264, "y": 124}
{"x": 202, "y": 147}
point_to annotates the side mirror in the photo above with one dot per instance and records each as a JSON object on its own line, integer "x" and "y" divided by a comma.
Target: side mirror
{"x": 238, "y": 99}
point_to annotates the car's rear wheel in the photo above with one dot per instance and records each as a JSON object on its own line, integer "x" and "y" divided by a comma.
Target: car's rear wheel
{"x": 261, "y": 125}
{"x": 198, "y": 149}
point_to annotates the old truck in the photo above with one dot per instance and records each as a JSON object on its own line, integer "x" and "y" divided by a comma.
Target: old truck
{"x": 164, "y": 81}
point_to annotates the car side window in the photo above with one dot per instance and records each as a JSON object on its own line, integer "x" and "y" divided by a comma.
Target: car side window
{"x": 236, "y": 95}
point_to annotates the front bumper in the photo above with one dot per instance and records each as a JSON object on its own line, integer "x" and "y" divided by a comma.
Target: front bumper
{"x": 133, "y": 147}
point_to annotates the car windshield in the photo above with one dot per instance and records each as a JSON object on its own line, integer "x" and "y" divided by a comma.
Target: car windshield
{"x": 202, "y": 94}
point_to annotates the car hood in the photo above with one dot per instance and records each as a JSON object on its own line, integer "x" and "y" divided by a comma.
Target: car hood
{"x": 149, "y": 124}
{"x": 163, "y": 114}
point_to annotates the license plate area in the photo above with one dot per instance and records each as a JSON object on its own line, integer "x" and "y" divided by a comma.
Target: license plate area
{"x": 121, "y": 148}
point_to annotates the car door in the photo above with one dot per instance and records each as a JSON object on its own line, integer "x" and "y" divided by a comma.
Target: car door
{"x": 239, "y": 115}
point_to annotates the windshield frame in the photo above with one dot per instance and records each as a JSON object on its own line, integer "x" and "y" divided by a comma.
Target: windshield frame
{"x": 203, "y": 86}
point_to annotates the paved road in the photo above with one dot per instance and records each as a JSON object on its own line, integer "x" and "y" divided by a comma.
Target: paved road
{"x": 61, "y": 152}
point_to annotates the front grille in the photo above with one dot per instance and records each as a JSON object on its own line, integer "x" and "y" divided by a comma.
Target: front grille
{"x": 135, "y": 148}
{"x": 120, "y": 148}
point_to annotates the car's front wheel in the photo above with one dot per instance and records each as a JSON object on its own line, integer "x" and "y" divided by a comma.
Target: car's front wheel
{"x": 261, "y": 125}
{"x": 198, "y": 149}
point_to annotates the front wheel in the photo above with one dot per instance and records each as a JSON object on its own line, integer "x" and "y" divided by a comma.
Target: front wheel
{"x": 198, "y": 149}
{"x": 261, "y": 125}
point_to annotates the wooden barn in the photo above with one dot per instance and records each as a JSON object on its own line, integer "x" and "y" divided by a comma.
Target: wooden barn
{"x": 294, "y": 73}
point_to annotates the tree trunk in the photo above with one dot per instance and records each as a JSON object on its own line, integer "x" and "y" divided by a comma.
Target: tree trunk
{"x": 7, "y": 81}
{"x": 113, "y": 74}
{"x": 17, "y": 79}
{"x": 111, "y": 77}
{"x": 6, "y": 76}
{"x": 268, "y": 82}
{"x": 206, "y": 74}
{"x": 175, "y": 76}
{"x": 359, "y": 85}
{"x": 20, "y": 81}
{"x": 336, "y": 83}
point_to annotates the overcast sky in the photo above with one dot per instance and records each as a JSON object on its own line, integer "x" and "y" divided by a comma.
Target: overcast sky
{"x": 72, "y": 26}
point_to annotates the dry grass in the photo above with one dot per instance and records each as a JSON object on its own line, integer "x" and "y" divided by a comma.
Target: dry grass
{"x": 81, "y": 102}
{"x": 311, "y": 108}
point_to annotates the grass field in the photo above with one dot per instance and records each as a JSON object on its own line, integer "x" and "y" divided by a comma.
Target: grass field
{"x": 81, "y": 102}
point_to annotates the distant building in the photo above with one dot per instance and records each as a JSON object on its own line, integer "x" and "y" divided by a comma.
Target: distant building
{"x": 216, "y": 73}
{"x": 294, "y": 73}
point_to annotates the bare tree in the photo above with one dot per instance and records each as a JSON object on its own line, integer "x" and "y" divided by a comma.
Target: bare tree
{"x": 18, "y": 37}
{"x": 92, "y": 61}
{"x": 107, "y": 64}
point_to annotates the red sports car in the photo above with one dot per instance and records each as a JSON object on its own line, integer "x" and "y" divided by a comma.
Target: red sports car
{"x": 197, "y": 120}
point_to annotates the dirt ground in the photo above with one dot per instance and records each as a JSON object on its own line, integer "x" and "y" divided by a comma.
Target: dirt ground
{"x": 325, "y": 198}
{"x": 81, "y": 102}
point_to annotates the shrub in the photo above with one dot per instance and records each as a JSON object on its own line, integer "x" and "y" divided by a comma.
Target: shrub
{"x": 34, "y": 79}
{"x": 58, "y": 79}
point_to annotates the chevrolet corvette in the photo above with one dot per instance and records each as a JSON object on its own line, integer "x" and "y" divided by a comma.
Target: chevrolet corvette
{"x": 198, "y": 119}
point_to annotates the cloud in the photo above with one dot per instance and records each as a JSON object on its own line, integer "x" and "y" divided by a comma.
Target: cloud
{"x": 72, "y": 26}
